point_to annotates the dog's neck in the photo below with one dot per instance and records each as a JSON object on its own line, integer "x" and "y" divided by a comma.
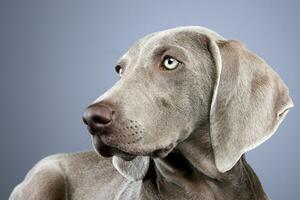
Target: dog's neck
{"x": 195, "y": 173}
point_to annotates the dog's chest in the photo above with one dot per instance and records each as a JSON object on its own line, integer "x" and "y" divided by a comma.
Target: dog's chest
{"x": 117, "y": 188}
{"x": 136, "y": 190}
{"x": 145, "y": 190}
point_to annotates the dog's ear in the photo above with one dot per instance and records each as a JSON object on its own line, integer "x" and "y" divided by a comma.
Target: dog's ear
{"x": 133, "y": 170}
{"x": 248, "y": 103}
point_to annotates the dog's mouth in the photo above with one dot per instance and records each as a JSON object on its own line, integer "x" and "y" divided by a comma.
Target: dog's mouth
{"x": 110, "y": 141}
{"x": 126, "y": 152}
{"x": 109, "y": 151}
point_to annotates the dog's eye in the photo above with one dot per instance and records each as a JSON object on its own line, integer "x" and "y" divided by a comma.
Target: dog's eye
{"x": 170, "y": 63}
{"x": 119, "y": 70}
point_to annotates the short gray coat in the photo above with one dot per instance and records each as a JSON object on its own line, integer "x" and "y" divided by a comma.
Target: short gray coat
{"x": 186, "y": 130}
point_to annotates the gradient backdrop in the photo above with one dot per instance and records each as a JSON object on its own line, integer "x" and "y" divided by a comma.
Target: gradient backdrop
{"x": 57, "y": 56}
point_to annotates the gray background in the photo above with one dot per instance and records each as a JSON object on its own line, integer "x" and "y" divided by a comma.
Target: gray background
{"x": 57, "y": 56}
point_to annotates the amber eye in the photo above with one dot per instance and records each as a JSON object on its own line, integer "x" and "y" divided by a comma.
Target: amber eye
{"x": 170, "y": 63}
{"x": 119, "y": 70}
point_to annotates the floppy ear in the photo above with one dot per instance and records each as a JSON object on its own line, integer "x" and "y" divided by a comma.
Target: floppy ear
{"x": 249, "y": 102}
{"x": 133, "y": 170}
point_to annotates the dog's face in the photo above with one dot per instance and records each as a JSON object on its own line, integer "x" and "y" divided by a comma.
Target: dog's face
{"x": 153, "y": 104}
{"x": 170, "y": 84}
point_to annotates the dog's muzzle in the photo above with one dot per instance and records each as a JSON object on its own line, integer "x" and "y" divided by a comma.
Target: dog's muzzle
{"x": 99, "y": 118}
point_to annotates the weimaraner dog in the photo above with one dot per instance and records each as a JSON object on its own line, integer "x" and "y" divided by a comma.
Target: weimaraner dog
{"x": 189, "y": 104}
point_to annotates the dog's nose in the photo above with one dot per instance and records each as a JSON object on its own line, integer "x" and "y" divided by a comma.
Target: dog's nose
{"x": 96, "y": 116}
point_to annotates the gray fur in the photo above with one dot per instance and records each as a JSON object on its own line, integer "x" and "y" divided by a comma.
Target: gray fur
{"x": 188, "y": 128}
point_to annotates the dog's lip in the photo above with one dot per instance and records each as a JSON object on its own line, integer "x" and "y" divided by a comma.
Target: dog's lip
{"x": 109, "y": 151}
{"x": 105, "y": 151}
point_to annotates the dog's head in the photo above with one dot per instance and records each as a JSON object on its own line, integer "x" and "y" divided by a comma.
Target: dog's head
{"x": 173, "y": 82}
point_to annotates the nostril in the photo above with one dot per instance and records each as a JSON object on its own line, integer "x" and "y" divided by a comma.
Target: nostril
{"x": 100, "y": 120}
{"x": 97, "y": 120}
{"x": 97, "y": 115}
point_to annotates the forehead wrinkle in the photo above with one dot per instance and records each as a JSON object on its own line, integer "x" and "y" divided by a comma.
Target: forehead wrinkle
{"x": 160, "y": 50}
{"x": 156, "y": 44}
{"x": 146, "y": 46}
{"x": 163, "y": 42}
{"x": 148, "y": 42}
{"x": 135, "y": 51}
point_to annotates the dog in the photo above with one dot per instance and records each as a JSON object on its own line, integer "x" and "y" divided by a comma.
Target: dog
{"x": 187, "y": 107}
